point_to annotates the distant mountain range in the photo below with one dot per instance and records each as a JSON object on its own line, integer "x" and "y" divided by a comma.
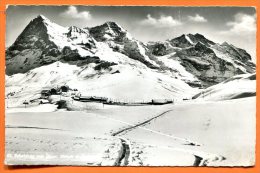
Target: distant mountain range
{"x": 190, "y": 60}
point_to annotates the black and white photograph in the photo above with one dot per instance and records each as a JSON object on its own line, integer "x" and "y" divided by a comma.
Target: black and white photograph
{"x": 130, "y": 86}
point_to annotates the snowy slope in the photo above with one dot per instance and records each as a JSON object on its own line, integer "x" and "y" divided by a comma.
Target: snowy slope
{"x": 236, "y": 87}
{"x": 173, "y": 63}
{"x": 225, "y": 132}
{"x": 182, "y": 131}
{"x": 124, "y": 82}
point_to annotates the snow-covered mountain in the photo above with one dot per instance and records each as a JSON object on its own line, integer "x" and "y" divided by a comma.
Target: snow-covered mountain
{"x": 209, "y": 62}
{"x": 106, "y": 60}
{"x": 43, "y": 42}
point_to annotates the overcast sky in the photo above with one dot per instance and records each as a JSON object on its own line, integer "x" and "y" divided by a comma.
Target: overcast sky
{"x": 236, "y": 25}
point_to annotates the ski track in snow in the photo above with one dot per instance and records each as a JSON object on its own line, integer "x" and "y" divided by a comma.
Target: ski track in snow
{"x": 125, "y": 154}
{"x": 139, "y": 125}
{"x": 31, "y": 127}
{"x": 200, "y": 158}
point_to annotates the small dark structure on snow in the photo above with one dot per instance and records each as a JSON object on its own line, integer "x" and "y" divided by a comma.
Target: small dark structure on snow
{"x": 62, "y": 104}
{"x": 53, "y": 91}
{"x": 161, "y": 101}
{"x": 45, "y": 93}
{"x": 25, "y": 103}
{"x": 64, "y": 88}
{"x": 90, "y": 99}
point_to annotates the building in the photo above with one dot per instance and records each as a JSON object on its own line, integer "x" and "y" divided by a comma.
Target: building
{"x": 45, "y": 93}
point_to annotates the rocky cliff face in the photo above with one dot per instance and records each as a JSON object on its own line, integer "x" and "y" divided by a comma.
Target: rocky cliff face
{"x": 31, "y": 49}
{"x": 193, "y": 59}
{"x": 121, "y": 41}
{"x": 210, "y": 62}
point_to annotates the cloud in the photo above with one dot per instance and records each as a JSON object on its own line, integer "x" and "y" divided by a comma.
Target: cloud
{"x": 197, "y": 18}
{"x": 161, "y": 22}
{"x": 72, "y": 12}
{"x": 243, "y": 24}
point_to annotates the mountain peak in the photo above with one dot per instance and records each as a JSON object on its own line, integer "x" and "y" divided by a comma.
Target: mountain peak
{"x": 199, "y": 35}
{"x": 109, "y": 31}
{"x": 75, "y": 29}
{"x": 114, "y": 26}
{"x": 182, "y": 36}
{"x": 41, "y": 17}
{"x": 111, "y": 23}
{"x": 181, "y": 41}
{"x": 36, "y": 28}
{"x": 42, "y": 20}
{"x": 200, "y": 38}
{"x": 225, "y": 44}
